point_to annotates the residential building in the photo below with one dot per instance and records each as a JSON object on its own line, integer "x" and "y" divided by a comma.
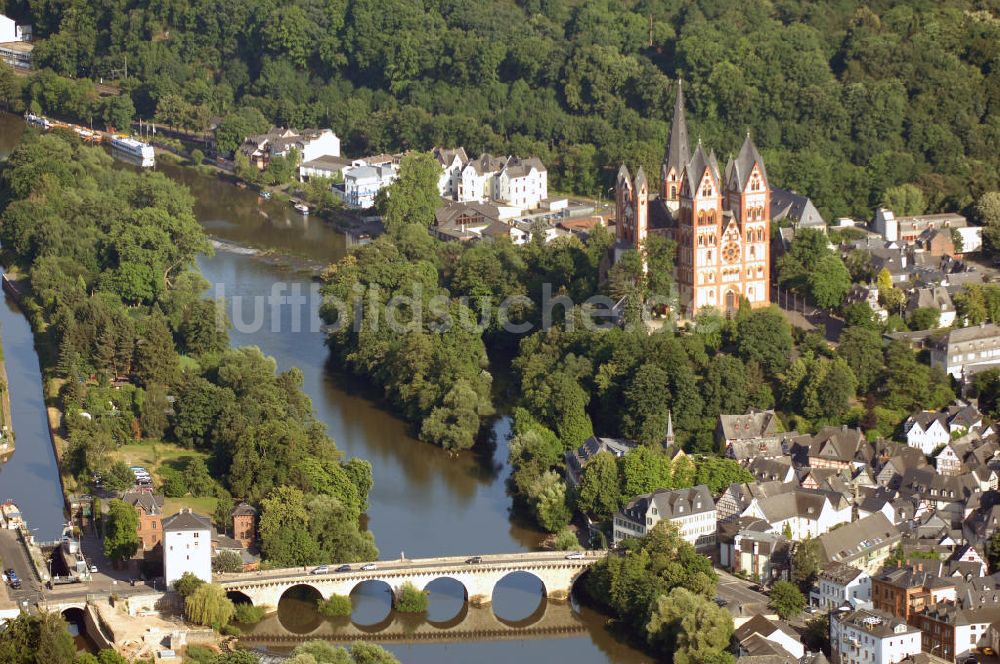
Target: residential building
{"x": 578, "y": 458}
{"x": 926, "y": 430}
{"x": 801, "y": 513}
{"x": 452, "y": 163}
{"x": 905, "y": 591}
{"x": 745, "y": 437}
{"x": 362, "y": 183}
{"x": 840, "y": 584}
{"x": 691, "y": 510}
{"x": 865, "y": 543}
{"x": 187, "y": 546}
{"x": 245, "y": 524}
{"x": 327, "y": 166}
{"x": 950, "y": 630}
{"x": 15, "y": 43}
{"x": 948, "y": 461}
{"x": 772, "y": 470}
{"x": 867, "y": 293}
{"x": 832, "y": 447}
{"x": 523, "y": 183}
{"x": 735, "y": 500}
{"x": 311, "y": 144}
{"x": 749, "y": 547}
{"x": 937, "y": 298}
{"x": 774, "y": 631}
{"x": 150, "y": 511}
{"x": 719, "y": 218}
{"x": 966, "y": 351}
{"x": 907, "y": 230}
{"x": 478, "y": 178}
{"x": 865, "y": 636}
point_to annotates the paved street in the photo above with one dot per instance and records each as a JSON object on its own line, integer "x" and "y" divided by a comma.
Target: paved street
{"x": 12, "y": 554}
{"x": 741, "y": 600}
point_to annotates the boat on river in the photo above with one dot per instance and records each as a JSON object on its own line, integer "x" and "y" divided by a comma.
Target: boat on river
{"x": 302, "y": 208}
{"x": 39, "y": 121}
{"x": 133, "y": 150}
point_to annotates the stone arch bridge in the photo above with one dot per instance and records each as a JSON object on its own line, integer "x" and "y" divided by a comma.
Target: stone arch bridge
{"x": 556, "y": 572}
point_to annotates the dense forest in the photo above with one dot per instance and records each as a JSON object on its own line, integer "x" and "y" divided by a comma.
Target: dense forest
{"x": 141, "y": 356}
{"x": 847, "y": 99}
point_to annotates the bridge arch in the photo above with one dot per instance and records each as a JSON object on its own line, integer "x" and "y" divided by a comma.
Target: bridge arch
{"x": 372, "y": 601}
{"x": 515, "y": 590}
{"x": 75, "y": 615}
{"x": 239, "y": 597}
{"x": 445, "y": 592}
{"x": 297, "y": 608}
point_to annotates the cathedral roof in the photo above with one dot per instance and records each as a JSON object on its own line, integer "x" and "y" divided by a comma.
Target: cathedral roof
{"x": 696, "y": 168}
{"x": 678, "y": 147}
{"x": 640, "y": 179}
{"x": 623, "y": 174}
{"x": 743, "y": 165}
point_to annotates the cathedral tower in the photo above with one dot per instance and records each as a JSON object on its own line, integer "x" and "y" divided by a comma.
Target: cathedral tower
{"x": 677, "y": 156}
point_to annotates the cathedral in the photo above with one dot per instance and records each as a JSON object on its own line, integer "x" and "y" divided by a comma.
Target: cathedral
{"x": 720, "y": 220}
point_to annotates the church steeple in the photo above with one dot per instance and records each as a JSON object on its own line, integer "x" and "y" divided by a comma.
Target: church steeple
{"x": 678, "y": 152}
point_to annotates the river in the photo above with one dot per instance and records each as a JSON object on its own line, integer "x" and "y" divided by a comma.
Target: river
{"x": 425, "y": 502}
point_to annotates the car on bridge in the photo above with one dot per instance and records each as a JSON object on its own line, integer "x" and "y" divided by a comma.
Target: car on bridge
{"x": 367, "y": 567}
{"x": 576, "y": 555}
{"x": 322, "y": 569}
{"x": 343, "y": 568}
{"x": 474, "y": 560}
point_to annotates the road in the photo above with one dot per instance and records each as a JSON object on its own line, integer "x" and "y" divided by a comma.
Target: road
{"x": 13, "y": 555}
{"x": 531, "y": 559}
{"x": 737, "y": 593}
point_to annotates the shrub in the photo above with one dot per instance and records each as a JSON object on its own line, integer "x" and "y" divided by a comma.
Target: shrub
{"x": 409, "y": 599}
{"x": 338, "y": 606}
{"x": 566, "y": 540}
{"x": 209, "y": 606}
{"x": 248, "y": 614}
{"x": 227, "y": 562}
{"x": 187, "y": 584}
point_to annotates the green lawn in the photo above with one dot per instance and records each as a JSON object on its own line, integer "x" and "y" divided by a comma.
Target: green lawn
{"x": 204, "y": 506}
{"x": 153, "y": 456}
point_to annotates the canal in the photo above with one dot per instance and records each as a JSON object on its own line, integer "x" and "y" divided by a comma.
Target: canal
{"x": 31, "y": 476}
{"x": 425, "y": 502}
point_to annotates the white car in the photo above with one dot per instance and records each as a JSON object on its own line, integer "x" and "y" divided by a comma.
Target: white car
{"x": 576, "y": 555}
{"x": 367, "y": 567}
{"x": 322, "y": 569}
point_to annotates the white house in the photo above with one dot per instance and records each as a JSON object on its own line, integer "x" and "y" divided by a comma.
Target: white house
{"x": 933, "y": 298}
{"x": 316, "y": 143}
{"x": 778, "y": 633}
{"x": 866, "y": 636}
{"x": 187, "y": 546}
{"x": 327, "y": 166}
{"x": 362, "y": 183}
{"x": 839, "y": 584}
{"x": 963, "y": 352}
{"x": 477, "y": 178}
{"x": 805, "y": 513}
{"x": 452, "y": 163}
{"x": 12, "y": 32}
{"x": 926, "y": 430}
{"x": 311, "y": 144}
{"x": 523, "y": 183}
{"x": 692, "y": 510}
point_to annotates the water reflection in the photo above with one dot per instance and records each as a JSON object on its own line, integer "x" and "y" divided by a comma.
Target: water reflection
{"x": 519, "y": 599}
{"x": 446, "y": 602}
{"x": 298, "y": 609}
{"x": 371, "y": 603}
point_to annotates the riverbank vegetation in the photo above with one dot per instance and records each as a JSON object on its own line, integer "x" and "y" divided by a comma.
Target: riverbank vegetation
{"x": 410, "y": 599}
{"x": 337, "y": 606}
{"x": 661, "y": 591}
{"x": 143, "y": 357}
{"x": 848, "y": 103}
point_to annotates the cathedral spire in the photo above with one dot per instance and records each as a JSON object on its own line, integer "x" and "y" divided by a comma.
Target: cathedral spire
{"x": 678, "y": 148}
{"x": 670, "y": 430}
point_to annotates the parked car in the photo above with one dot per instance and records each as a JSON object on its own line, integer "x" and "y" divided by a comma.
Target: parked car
{"x": 576, "y": 555}
{"x": 343, "y": 568}
{"x": 367, "y": 567}
{"x": 474, "y": 560}
{"x": 720, "y": 602}
{"x": 12, "y": 579}
{"x": 322, "y": 569}
{"x": 93, "y": 570}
